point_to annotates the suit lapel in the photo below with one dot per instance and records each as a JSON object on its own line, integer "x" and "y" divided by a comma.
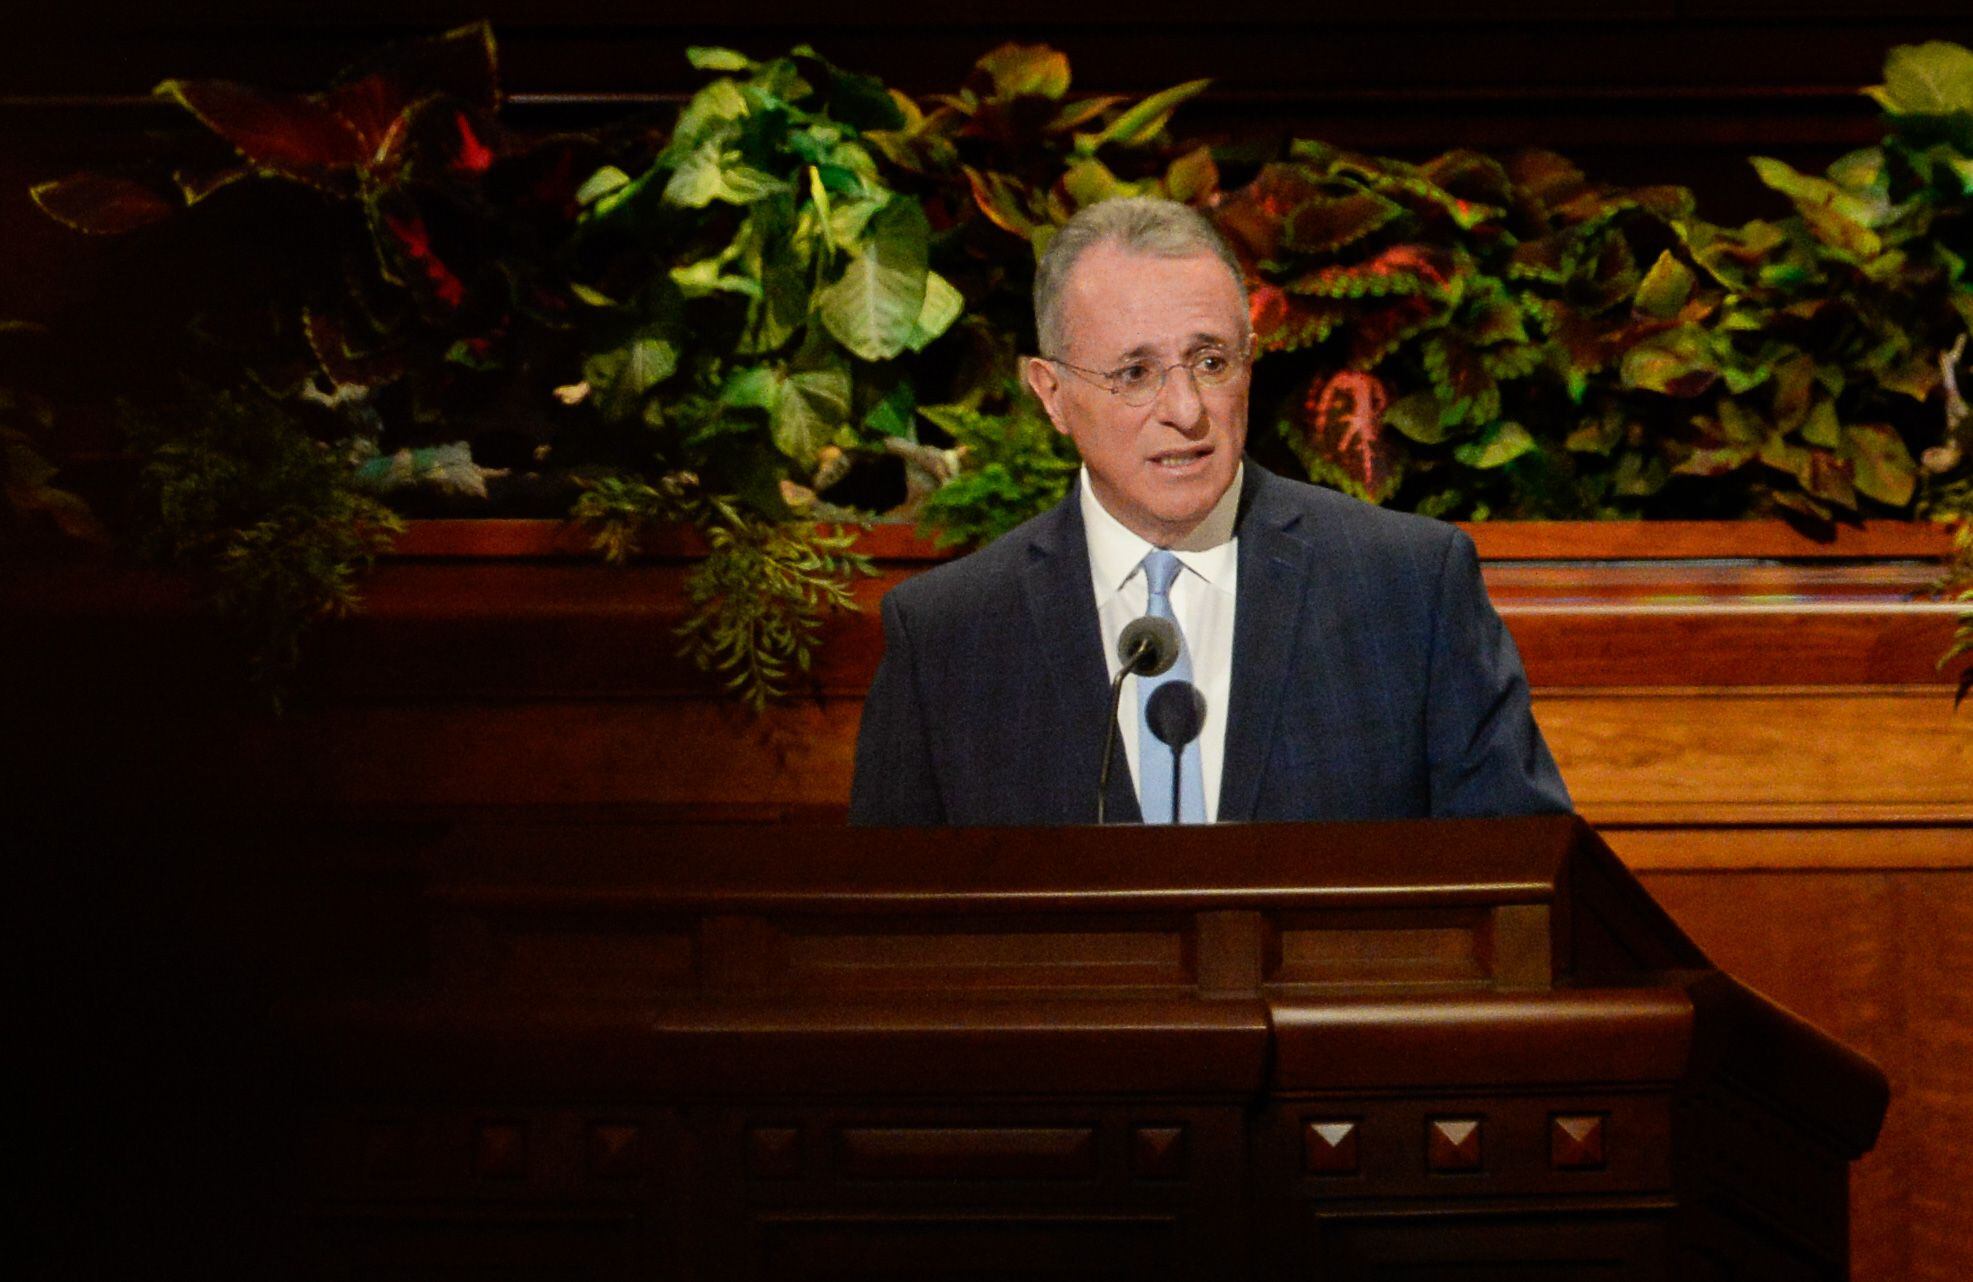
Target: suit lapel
{"x": 1275, "y": 566}
{"x": 1062, "y": 611}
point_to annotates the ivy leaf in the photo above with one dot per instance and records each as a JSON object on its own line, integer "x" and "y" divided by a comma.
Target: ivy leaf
{"x": 620, "y": 377}
{"x": 711, "y": 173}
{"x": 1883, "y": 466}
{"x": 810, "y": 403}
{"x": 600, "y": 184}
{"x": 873, "y": 308}
{"x": 943, "y": 305}
{"x": 98, "y": 205}
{"x": 1498, "y": 446}
{"x": 896, "y": 413}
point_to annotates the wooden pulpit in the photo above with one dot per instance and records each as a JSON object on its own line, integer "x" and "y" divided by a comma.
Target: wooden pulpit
{"x": 1445, "y": 1050}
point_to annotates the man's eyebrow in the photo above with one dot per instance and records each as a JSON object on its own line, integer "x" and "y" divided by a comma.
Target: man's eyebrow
{"x": 1193, "y": 344}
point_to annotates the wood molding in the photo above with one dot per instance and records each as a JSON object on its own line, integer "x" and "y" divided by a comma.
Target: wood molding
{"x": 1496, "y": 541}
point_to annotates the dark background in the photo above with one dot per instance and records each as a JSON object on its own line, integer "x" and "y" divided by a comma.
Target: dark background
{"x": 1635, "y": 91}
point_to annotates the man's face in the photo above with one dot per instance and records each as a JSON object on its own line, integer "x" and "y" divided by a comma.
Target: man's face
{"x": 1158, "y": 468}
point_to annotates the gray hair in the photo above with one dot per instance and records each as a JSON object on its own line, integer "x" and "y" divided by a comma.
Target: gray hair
{"x": 1140, "y": 224}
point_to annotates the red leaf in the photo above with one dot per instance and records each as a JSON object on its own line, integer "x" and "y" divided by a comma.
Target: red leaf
{"x": 1251, "y": 218}
{"x": 1375, "y": 332}
{"x": 1282, "y": 322}
{"x": 1345, "y": 416}
{"x": 295, "y": 136}
{"x": 416, "y": 243}
{"x": 474, "y": 157}
{"x": 100, "y": 205}
{"x": 460, "y": 64}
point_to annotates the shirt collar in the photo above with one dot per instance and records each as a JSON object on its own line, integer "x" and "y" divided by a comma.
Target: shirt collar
{"x": 1115, "y": 551}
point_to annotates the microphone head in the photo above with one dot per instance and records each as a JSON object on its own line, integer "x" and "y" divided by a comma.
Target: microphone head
{"x": 1148, "y": 646}
{"x": 1175, "y": 712}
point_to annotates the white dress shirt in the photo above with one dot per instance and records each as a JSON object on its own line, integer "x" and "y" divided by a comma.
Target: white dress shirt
{"x": 1202, "y": 600}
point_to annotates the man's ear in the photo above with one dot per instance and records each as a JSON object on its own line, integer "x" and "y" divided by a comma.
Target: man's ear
{"x": 1046, "y": 385}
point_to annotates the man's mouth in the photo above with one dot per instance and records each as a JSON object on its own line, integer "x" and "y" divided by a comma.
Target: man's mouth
{"x": 1179, "y": 460}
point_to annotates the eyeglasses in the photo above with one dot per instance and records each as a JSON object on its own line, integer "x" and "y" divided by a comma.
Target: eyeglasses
{"x": 1139, "y": 382}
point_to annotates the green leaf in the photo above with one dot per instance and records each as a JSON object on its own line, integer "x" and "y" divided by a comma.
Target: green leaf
{"x": 943, "y": 305}
{"x": 1932, "y": 79}
{"x": 1089, "y": 182}
{"x": 1498, "y": 446}
{"x": 712, "y": 58}
{"x": 1884, "y": 467}
{"x": 1665, "y": 288}
{"x": 1822, "y": 427}
{"x": 753, "y": 387}
{"x": 1676, "y": 364}
{"x": 594, "y": 297}
{"x": 812, "y": 401}
{"x": 1715, "y": 460}
{"x": 708, "y": 275}
{"x": 600, "y": 184}
{"x": 619, "y": 378}
{"x": 1193, "y": 176}
{"x": 712, "y": 173}
{"x": 896, "y": 414}
{"x": 1599, "y": 435}
{"x": 1026, "y": 69}
{"x": 1145, "y": 121}
{"x": 873, "y": 308}
{"x": 1419, "y": 417}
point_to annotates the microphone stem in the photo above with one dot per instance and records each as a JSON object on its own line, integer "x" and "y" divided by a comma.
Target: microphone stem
{"x": 1110, "y": 735}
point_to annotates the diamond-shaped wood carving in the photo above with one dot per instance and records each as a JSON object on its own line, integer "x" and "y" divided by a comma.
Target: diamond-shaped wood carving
{"x": 1575, "y": 1141}
{"x": 1158, "y": 1153}
{"x": 774, "y": 1152}
{"x": 500, "y": 1151}
{"x": 1329, "y": 1147}
{"x": 616, "y": 1150}
{"x": 1452, "y": 1144}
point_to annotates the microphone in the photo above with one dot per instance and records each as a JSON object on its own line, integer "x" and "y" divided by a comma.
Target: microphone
{"x": 1175, "y": 712}
{"x": 1147, "y": 647}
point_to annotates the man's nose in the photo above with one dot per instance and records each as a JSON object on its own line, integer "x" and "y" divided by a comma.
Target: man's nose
{"x": 1179, "y": 402}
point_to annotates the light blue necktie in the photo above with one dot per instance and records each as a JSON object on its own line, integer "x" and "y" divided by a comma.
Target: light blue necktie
{"x": 1153, "y": 755}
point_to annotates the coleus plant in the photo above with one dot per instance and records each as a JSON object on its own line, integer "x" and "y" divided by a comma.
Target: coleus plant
{"x": 1472, "y": 337}
{"x": 1425, "y": 326}
{"x": 424, "y": 269}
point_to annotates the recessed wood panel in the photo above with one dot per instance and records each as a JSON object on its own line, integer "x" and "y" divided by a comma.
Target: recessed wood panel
{"x": 966, "y": 1153}
{"x": 979, "y": 957}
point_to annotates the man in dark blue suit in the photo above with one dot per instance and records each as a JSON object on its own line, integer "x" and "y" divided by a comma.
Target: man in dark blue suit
{"x": 1350, "y": 664}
